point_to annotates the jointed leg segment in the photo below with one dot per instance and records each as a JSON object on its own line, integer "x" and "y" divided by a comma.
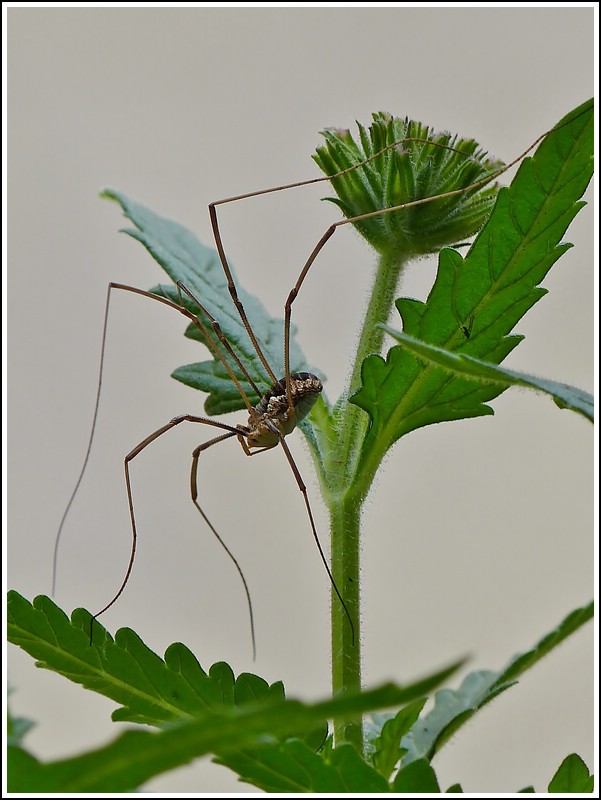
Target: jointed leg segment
{"x": 135, "y": 452}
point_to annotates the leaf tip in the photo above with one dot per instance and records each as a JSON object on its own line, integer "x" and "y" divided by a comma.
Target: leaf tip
{"x": 109, "y": 194}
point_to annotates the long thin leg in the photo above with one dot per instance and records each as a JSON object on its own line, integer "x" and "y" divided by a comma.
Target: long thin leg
{"x": 89, "y": 447}
{"x": 303, "y": 490}
{"x": 181, "y": 286}
{"x": 234, "y": 293}
{"x": 128, "y": 458}
{"x": 194, "y": 495}
{"x": 309, "y": 181}
{"x": 195, "y": 321}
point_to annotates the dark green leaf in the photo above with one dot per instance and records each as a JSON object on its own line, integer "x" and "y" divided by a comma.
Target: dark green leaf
{"x": 293, "y": 767}
{"x": 355, "y": 773}
{"x": 317, "y": 738}
{"x": 454, "y": 707}
{"x": 287, "y": 767}
{"x": 388, "y": 751}
{"x": 22, "y": 770}
{"x": 454, "y": 789}
{"x": 565, "y": 396}
{"x": 416, "y": 778}
{"x": 212, "y": 713}
{"x": 185, "y": 259}
{"x": 524, "y": 661}
{"x": 250, "y": 689}
{"x": 487, "y": 292}
{"x": 151, "y": 690}
{"x": 136, "y": 756}
{"x": 211, "y": 377}
{"x": 572, "y": 776}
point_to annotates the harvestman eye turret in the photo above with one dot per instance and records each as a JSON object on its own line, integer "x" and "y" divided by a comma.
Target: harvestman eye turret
{"x": 281, "y": 408}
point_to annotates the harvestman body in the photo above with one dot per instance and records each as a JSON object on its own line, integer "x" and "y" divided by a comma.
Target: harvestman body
{"x": 282, "y": 407}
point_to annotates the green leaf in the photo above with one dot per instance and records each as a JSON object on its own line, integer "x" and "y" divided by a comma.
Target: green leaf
{"x": 388, "y": 752}
{"x": 524, "y": 661}
{"x": 489, "y": 291}
{"x": 572, "y": 776}
{"x": 206, "y": 713}
{"x": 454, "y": 789}
{"x": 565, "y": 396}
{"x": 185, "y": 259}
{"x": 417, "y": 777}
{"x": 151, "y": 690}
{"x": 293, "y": 767}
{"x": 137, "y": 755}
{"x": 212, "y": 378}
{"x": 22, "y": 770}
{"x": 454, "y": 707}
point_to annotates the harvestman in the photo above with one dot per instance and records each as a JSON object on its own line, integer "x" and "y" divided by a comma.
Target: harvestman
{"x": 283, "y": 406}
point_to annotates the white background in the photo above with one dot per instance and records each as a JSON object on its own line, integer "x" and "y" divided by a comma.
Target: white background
{"x": 477, "y": 534}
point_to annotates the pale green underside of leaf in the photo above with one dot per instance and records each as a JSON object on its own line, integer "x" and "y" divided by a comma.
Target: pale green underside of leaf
{"x": 17, "y": 728}
{"x": 406, "y": 738}
{"x": 184, "y": 258}
{"x": 202, "y": 713}
{"x": 453, "y": 708}
{"x": 564, "y": 395}
{"x": 495, "y": 284}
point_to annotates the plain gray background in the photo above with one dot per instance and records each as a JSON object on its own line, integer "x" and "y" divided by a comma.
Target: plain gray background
{"x": 477, "y": 534}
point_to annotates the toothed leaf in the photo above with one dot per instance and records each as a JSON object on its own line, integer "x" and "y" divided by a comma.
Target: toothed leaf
{"x": 454, "y": 707}
{"x": 198, "y": 267}
{"x": 475, "y": 302}
{"x": 564, "y": 395}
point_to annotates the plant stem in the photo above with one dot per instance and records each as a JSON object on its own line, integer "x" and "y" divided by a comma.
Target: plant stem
{"x": 346, "y": 642}
{"x": 345, "y": 496}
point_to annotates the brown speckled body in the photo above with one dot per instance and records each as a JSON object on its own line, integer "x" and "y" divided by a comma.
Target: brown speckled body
{"x": 273, "y": 413}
